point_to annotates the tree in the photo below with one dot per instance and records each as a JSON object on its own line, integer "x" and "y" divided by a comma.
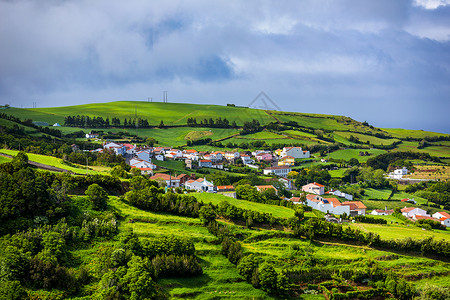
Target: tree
{"x": 138, "y": 281}
{"x": 353, "y": 162}
{"x": 161, "y": 125}
{"x": 119, "y": 171}
{"x": 12, "y": 290}
{"x": 151, "y": 141}
{"x": 20, "y": 160}
{"x": 268, "y": 278}
{"x": 97, "y": 195}
{"x": 247, "y": 266}
{"x": 207, "y": 214}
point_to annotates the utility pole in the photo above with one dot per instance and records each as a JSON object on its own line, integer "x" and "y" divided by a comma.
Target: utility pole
{"x": 135, "y": 119}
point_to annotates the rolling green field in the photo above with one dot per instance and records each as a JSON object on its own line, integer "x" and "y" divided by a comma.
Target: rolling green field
{"x": 392, "y": 231}
{"x": 347, "y": 154}
{"x": 276, "y": 211}
{"x": 405, "y": 133}
{"x": 52, "y": 161}
{"x": 440, "y": 151}
{"x": 377, "y": 194}
{"x": 366, "y": 138}
{"x": 220, "y": 279}
{"x": 154, "y": 112}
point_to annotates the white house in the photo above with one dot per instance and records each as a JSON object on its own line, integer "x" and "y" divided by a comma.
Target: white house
{"x": 159, "y": 157}
{"x": 329, "y": 205}
{"x": 170, "y": 180}
{"x": 143, "y": 164}
{"x": 443, "y": 217}
{"x": 281, "y": 171}
{"x": 119, "y": 149}
{"x": 440, "y": 215}
{"x": 410, "y": 212}
{"x": 231, "y": 155}
{"x": 287, "y": 183}
{"x": 144, "y": 155}
{"x": 205, "y": 163}
{"x": 340, "y": 194}
{"x": 402, "y": 171}
{"x": 246, "y": 159}
{"x": 382, "y": 212}
{"x": 217, "y": 155}
{"x": 295, "y": 152}
{"x": 314, "y": 188}
{"x": 91, "y": 135}
{"x": 201, "y": 185}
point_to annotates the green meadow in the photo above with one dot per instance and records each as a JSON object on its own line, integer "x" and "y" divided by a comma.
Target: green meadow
{"x": 366, "y": 138}
{"x": 393, "y": 231}
{"x": 154, "y": 112}
{"x": 406, "y": 133}
{"x": 347, "y": 154}
{"x": 276, "y": 211}
{"x": 52, "y": 161}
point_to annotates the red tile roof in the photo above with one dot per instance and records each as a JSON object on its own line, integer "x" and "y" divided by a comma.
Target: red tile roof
{"x": 265, "y": 187}
{"x": 225, "y": 187}
{"x": 333, "y": 201}
{"x": 446, "y": 215}
{"x": 407, "y": 209}
{"x": 163, "y": 176}
{"x": 358, "y": 204}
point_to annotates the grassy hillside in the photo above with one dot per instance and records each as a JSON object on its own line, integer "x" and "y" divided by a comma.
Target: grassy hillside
{"x": 171, "y": 113}
{"x": 177, "y": 114}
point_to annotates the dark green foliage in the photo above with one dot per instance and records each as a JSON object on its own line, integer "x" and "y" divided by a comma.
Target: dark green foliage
{"x": 207, "y": 214}
{"x": 267, "y": 277}
{"x": 369, "y": 219}
{"x": 314, "y": 175}
{"x": 97, "y": 195}
{"x": 176, "y": 266}
{"x": 12, "y": 290}
{"x": 247, "y": 266}
{"x": 13, "y": 264}
{"x": 119, "y": 171}
{"x": 138, "y": 281}
{"x": 169, "y": 245}
{"x": 383, "y": 161}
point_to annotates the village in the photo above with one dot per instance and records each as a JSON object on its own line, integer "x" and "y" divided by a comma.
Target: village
{"x": 276, "y": 164}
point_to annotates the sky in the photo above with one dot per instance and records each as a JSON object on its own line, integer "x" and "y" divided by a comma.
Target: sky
{"x": 385, "y": 62}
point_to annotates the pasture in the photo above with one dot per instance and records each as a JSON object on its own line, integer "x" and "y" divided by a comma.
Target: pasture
{"x": 55, "y": 162}
{"x": 347, "y": 154}
{"x": 154, "y": 112}
{"x": 407, "y": 133}
{"x": 393, "y": 231}
{"x": 366, "y": 139}
{"x": 276, "y": 211}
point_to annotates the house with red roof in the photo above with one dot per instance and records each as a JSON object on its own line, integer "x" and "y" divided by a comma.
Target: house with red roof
{"x": 201, "y": 185}
{"x": 443, "y": 217}
{"x": 226, "y": 190}
{"x": 281, "y": 171}
{"x": 171, "y": 181}
{"x": 327, "y": 205}
{"x": 410, "y": 212}
{"x": 262, "y": 188}
{"x": 314, "y": 188}
{"x": 356, "y": 206}
{"x": 205, "y": 163}
{"x": 296, "y": 152}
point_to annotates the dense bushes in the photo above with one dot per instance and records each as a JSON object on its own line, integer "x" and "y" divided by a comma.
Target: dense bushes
{"x": 370, "y": 220}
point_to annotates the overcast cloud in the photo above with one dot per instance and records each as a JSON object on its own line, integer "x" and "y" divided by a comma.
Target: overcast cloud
{"x": 384, "y": 61}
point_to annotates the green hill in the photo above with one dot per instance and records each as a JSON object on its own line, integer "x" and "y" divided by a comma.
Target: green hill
{"x": 297, "y": 128}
